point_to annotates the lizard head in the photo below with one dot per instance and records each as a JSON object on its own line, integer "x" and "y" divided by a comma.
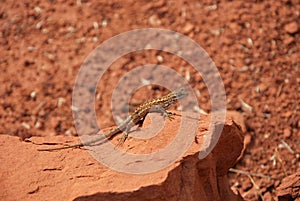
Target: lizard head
{"x": 180, "y": 93}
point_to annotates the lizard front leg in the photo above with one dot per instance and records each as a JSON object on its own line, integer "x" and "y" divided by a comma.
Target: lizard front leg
{"x": 163, "y": 111}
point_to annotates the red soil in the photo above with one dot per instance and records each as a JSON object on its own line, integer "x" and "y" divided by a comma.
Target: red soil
{"x": 255, "y": 45}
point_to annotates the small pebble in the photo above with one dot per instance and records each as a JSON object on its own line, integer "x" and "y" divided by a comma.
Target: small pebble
{"x": 188, "y": 28}
{"x": 246, "y": 185}
{"x": 268, "y": 197}
{"x": 287, "y": 132}
{"x": 291, "y": 27}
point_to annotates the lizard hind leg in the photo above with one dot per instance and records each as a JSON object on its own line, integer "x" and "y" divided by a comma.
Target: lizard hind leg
{"x": 123, "y": 138}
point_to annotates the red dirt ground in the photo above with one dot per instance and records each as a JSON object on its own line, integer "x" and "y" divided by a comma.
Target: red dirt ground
{"x": 254, "y": 44}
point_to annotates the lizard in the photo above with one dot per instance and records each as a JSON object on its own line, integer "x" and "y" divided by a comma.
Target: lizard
{"x": 158, "y": 104}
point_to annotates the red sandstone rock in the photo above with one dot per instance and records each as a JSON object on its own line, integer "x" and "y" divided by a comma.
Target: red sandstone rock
{"x": 28, "y": 174}
{"x": 289, "y": 188}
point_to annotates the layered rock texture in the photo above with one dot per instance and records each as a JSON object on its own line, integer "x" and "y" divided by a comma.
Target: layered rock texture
{"x": 73, "y": 174}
